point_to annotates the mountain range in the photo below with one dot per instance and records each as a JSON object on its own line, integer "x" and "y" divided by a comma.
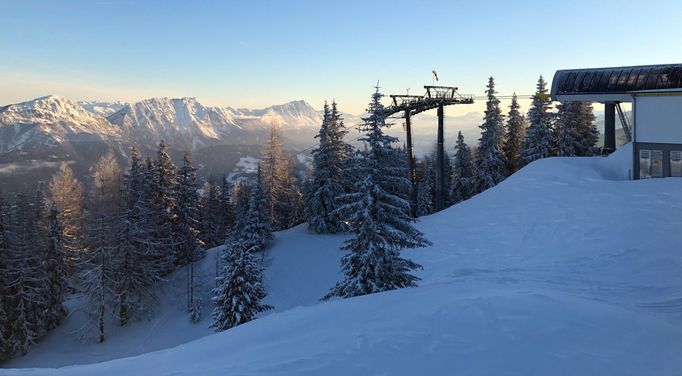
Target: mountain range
{"x": 37, "y": 135}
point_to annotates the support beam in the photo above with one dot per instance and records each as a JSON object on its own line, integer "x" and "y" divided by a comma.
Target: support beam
{"x": 412, "y": 173}
{"x": 609, "y": 127}
{"x": 440, "y": 160}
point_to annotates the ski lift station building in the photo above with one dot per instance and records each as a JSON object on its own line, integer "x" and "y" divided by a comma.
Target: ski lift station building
{"x": 655, "y": 92}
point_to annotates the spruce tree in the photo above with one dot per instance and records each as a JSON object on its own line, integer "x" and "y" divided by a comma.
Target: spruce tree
{"x": 426, "y": 189}
{"x": 240, "y": 291}
{"x": 516, "y": 131}
{"x": 28, "y": 281}
{"x": 55, "y": 267}
{"x": 5, "y": 300}
{"x": 539, "y": 141}
{"x": 276, "y": 167}
{"x": 380, "y": 221}
{"x": 586, "y": 131}
{"x": 255, "y": 232}
{"x": 327, "y": 181}
{"x": 462, "y": 174}
{"x": 213, "y": 217}
{"x": 166, "y": 182}
{"x": 491, "y": 166}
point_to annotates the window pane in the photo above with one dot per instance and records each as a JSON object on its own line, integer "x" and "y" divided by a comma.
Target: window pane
{"x": 653, "y": 76}
{"x": 622, "y": 80}
{"x": 676, "y": 163}
{"x": 613, "y": 80}
{"x": 632, "y": 79}
{"x": 663, "y": 78}
{"x": 641, "y": 79}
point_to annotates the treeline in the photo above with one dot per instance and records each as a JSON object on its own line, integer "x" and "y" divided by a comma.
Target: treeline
{"x": 112, "y": 242}
{"x": 508, "y": 143}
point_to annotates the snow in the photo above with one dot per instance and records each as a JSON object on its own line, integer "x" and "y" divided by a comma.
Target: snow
{"x": 565, "y": 268}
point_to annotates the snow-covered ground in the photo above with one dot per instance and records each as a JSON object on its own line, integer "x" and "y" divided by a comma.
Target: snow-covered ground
{"x": 564, "y": 269}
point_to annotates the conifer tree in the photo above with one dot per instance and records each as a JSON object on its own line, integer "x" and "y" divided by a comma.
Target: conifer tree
{"x": 587, "y": 134}
{"x": 27, "y": 279}
{"x": 213, "y": 219}
{"x": 255, "y": 232}
{"x": 5, "y": 300}
{"x": 516, "y": 131}
{"x": 99, "y": 269}
{"x": 275, "y": 170}
{"x": 426, "y": 189}
{"x": 166, "y": 182}
{"x": 491, "y": 166}
{"x": 66, "y": 192}
{"x": 380, "y": 221}
{"x": 462, "y": 174}
{"x": 539, "y": 141}
{"x": 240, "y": 291}
{"x": 55, "y": 267}
{"x": 327, "y": 181}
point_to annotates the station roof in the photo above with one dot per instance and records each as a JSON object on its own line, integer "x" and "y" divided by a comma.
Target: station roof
{"x": 614, "y": 84}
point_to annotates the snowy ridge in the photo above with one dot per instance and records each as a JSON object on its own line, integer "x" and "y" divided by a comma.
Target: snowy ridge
{"x": 563, "y": 269}
{"x": 185, "y": 122}
{"x": 50, "y": 120}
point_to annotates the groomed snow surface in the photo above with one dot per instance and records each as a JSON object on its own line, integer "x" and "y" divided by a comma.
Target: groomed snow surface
{"x": 566, "y": 268}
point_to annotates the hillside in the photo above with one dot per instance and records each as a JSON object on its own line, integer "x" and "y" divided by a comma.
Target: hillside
{"x": 566, "y": 268}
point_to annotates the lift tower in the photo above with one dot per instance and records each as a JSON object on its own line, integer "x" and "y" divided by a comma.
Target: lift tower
{"x": 436, "y": 97}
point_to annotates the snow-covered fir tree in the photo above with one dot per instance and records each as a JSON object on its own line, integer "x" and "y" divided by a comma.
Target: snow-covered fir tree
{"x": 575, "y": 131}
{"x": 188, "y": 244}
{"x": 539, "y": 142}
{"x": 212, "y": 218}
{"x": 254, "y": 230}
{"x": 462, "y": 172}
{"x": 136, "y": 262}
{"x": 240, "y": 291}
{"x": 426, "y": 188}
{"x": 380, "y": 221}
{"x": 5, "y": 301}
{"x": 166, "y": 182}
{"x": 28, "y": 280}
{"x": 491, "y": 166}
{"x": 55, "y": 267}
{"x": 516, "y": 131}
{"x": 327, "y": 183}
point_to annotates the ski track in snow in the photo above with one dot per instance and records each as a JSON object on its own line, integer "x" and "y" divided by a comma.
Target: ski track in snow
{"x": 563, "y": 269}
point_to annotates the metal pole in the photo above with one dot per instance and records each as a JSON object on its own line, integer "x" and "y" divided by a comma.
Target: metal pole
{"x": 412, "y": 174}
{"x": 440, "y": 161}
{"x": 609, "y": 127}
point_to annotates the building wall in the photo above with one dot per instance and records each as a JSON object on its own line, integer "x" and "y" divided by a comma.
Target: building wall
{"x": 658, "y": 118}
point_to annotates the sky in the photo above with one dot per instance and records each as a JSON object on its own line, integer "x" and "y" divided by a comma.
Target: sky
{"x": 259, "y": 53}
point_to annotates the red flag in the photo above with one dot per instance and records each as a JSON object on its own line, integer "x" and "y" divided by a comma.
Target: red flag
{"x": 435, "y": 74}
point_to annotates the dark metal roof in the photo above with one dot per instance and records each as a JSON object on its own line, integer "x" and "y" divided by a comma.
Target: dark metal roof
{"x": 619, "y": 80}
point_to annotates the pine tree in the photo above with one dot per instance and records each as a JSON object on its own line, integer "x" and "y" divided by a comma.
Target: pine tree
{"x": 189, "y": 246}
{"x": 55, "y": 267}
{"x": 586, "y": 131}
{"x": 166, "y": 183}
{"x": 426, "y": 189}
{"x": 380, "y": 220}
{"x": 516, "y": 131}
{"x": 66, "y": 192}
{"x": 255, "y": 232}
{"x": 491, "y": 166}
{"x": 5, "y": 300}
{"x": 539, "y": 141}
{"x": 327, "y": 181}
{"x": 240, "y": 288}
{"x": 462, "y": 174}
{"x": 27, "y": 279}
{"x": 276, "y": 167}
{"x": 137, "y": 263}
{"x": 213, "y": 215}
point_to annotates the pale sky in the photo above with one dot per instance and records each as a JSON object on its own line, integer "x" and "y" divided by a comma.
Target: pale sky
{"x": 259, "y": 53}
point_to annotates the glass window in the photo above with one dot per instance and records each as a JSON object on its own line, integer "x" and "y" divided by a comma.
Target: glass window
{"x": 569, "y": 82}
{"x": 676, "y": 163}
{"x": 644, "y": 164}
{"x": 653, "y": 76}
{"x": 613, "y": 80}
{"x": 663, "y": 78}
{"x": 603, "y": 84}
{"x": 585, "y": 83}
{"x": 641, "y": 79}
{"x": 632, "y": 79}
{"x": 656, "y": 163}
{"x": 594, "y": 82}
{"x": 622, "y": 80}
{"x": 578, "y": 81}
{"x": 561, "y": 82}
{"x": 676, "y": 77}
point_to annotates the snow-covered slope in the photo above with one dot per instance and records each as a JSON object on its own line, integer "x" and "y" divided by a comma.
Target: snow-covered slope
{"x": 178, "y": 121}
{"x": 563, "y": 269}
{"x": 48, "y": 121}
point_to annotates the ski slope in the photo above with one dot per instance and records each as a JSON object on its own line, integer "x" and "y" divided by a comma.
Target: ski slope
{"x": 566, "y": 268}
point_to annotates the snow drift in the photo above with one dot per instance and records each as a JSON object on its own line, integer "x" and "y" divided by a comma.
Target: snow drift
{"x": 563, "y": 269}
